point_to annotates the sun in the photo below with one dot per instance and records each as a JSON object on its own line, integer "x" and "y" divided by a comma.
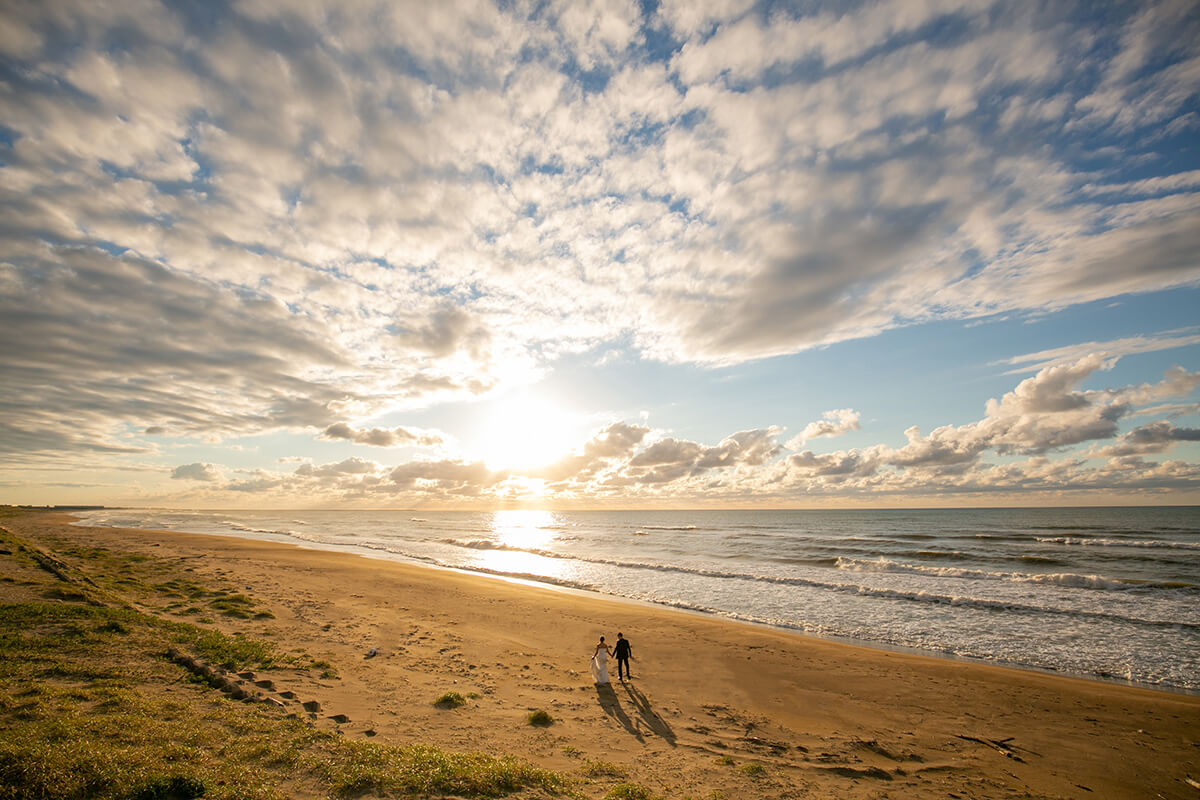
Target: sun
{"x": 524, "y": 431}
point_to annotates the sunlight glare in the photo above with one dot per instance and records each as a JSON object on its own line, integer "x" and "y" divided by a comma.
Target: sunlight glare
{"x": 518, "y": 535}
{"x": 524, "y": 432}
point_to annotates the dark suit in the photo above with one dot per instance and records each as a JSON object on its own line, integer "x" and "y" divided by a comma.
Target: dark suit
{"x": 622, "y": 653}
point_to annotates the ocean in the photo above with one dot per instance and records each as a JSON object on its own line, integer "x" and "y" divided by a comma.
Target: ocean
{"x": 1105, "y": 593}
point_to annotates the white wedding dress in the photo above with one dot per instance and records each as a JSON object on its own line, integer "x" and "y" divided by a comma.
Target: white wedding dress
{"x": 600, "y": 667}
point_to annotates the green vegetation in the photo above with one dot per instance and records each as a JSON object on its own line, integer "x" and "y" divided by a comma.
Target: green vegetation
{"x": 726, "y": 760}
{"x": 450, "y": 700}
{"x": 753, "y": 770}
{"x": 354, "y": 768}
{"x": 629, "y": 791}
{"x": 602, "y": 769}
{"x": 91, "y": 706}
{"x": 540, "y": 718}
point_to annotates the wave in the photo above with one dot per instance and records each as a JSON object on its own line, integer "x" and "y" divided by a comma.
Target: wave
{"x": 881, "y": 565}
{"x": 1005, "y": 605}
{"x": 667, "y": 527}
{"x": 924, "y": 597}
{"x": 248, "y": 529}
{"x": 1041, "y": 560}
{"x": 1070, "y": 579}
{"x": 1145, "y": 543}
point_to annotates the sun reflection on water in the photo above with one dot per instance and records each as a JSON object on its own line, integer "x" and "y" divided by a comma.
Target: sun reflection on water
{"x": 515, "y": 533}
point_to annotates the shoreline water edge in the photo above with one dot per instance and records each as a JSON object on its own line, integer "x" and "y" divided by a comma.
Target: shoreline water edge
{"x": 1111, "y": 595}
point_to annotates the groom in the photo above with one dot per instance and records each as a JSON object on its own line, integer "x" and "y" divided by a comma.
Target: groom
{"x": 622, "y": 652}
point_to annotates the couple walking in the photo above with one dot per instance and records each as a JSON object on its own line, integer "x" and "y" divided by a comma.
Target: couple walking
{"x": 623, "y": 651}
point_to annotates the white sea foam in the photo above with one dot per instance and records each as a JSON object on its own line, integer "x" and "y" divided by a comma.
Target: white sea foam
{"x": 1147, "y": 543}
{"x": 1056, "y": 578}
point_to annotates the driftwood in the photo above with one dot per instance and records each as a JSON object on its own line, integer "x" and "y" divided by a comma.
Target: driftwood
{"x": 999, "y": 745}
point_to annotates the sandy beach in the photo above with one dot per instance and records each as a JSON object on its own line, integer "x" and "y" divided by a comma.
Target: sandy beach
{"x": 715, "y": 708}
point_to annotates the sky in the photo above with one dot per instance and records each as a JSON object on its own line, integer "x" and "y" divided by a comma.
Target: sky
{"x": 599, "y": 254}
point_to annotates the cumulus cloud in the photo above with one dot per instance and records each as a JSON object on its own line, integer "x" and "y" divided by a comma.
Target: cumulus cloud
{"x": 1157, "y": 437}
{"x": 832, "y": 423}
{"x": 382, "y": 437}
{"x": 1045, "y": 413}
{"x": 196, "y": 472}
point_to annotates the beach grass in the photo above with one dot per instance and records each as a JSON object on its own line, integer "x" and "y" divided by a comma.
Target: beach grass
{"x": 540, "y": 718}
{"x": 630, "y": 791}
{"x": 92, "y": 703}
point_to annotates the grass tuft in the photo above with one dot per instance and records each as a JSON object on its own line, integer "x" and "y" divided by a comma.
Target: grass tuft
{"x": 602, "y": 769}
{"x": 178, "y": 787}
{"x": 540, "y": 719}
{"x": 450, "y": 700}
{"x": 629, "y": 791}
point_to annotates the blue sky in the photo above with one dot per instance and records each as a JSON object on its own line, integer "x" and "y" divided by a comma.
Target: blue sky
{"x": 599, "y": 254}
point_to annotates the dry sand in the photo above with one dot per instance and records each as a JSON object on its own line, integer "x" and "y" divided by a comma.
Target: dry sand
{"x": 708, "y": 697}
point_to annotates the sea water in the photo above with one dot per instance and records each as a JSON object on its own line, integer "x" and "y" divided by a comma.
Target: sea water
{"x": 1111, "y": 593}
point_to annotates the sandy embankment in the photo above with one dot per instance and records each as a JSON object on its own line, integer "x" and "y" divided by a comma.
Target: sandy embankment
{"x": 822, "y": 718}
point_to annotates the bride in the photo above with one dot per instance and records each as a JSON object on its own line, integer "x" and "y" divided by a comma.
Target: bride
{"x": 600, "y": 662}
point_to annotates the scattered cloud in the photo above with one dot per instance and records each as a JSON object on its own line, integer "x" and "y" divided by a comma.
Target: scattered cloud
{"x": 1157, "y": 437}
{"x": 1025, "y": 440}
{"x": 382, "y": 437}
{"x": 1115, "y": 348}
{"x": 832, "y": 423}
{"x": 196, "y": 472}
{"x": 267, "y": 219}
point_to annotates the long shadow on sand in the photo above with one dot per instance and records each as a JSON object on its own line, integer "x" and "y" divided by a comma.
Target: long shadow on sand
{"x": 647, "y": 720}
{"x": 612, "y": 706}
{"x": 653, "y": 720}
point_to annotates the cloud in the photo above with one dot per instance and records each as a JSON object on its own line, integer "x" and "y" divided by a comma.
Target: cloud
{"x": 1157, "y": 437}
{"x": 446, "y": 477}
{"x": 613, "y": 444}
{"x": 1030, "y": 439}
{"x": 1115, "y": 348}
{"x": 278, "y": 217}
{"x": 832, "y": 423}
{"x": 1045, "y": 413}
{"x": 382, "y": 437}
{"x": 668, "y": 460}
{"x": 196, "y": 472}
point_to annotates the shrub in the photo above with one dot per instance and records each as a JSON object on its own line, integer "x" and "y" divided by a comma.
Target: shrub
{"x": 174, "y": 788}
